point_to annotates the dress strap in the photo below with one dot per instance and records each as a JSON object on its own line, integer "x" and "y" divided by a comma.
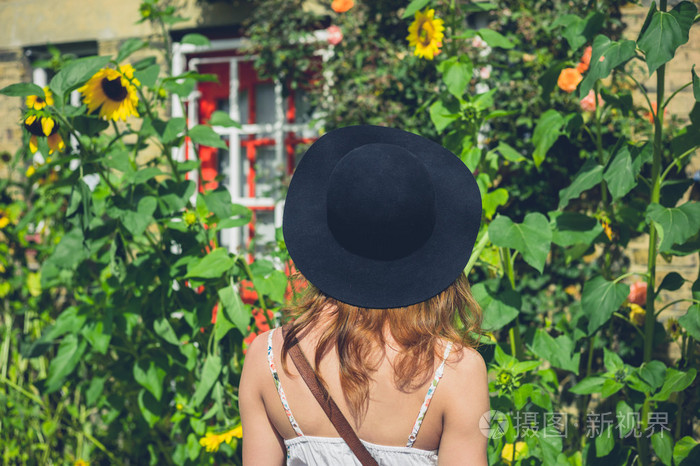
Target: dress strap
{"x": 429, "y": 397}
{"x": 275, "y": 377}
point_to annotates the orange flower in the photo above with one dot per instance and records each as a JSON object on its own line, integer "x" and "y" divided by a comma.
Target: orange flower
{"x": 582, "y": 67}
{"x": 638, "y": 293}
{"x": 569, "y": 79}
{"x": 341, "y": 6}
{"x": 651, "y": 115}
{"x": 589, "y": 103}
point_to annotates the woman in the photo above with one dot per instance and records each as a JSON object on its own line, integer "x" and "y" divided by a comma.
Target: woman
{"x": 381, "y": 222}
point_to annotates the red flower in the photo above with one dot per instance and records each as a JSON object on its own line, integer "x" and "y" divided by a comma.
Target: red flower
{"x": 248, "y": 293}
{"x": 582, "y": 67}
{"x": 335, "y": 35}
{"x": 638, "y": 293}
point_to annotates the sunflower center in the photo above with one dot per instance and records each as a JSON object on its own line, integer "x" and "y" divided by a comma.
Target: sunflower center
{"x": 425, "y": 36}
{"x": 113, "y": 89}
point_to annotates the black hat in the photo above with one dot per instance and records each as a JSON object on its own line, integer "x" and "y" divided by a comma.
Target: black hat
{"x": 380, "y": 218}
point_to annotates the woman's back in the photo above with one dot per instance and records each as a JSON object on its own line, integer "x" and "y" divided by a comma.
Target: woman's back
{"x": 455, "y": 406}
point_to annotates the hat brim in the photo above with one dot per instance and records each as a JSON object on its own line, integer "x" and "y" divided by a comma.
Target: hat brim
{"x": 378, "y": 284}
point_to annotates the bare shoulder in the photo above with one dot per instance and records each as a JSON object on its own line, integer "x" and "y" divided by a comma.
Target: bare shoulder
{"x": 255, "y": 363}
{"x": 467, "y": 363}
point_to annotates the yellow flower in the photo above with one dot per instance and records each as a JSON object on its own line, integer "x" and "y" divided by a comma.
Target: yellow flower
{"x": 179, "y": 406}
{"x": 507, "y": 452}
{"x": 673, "y": 327}
{"x": 190, "y": 218}
{"x": 637, "y": 314}
{"x": 81, "y": 462}
{"x": 30, "y": 171}
{"x": 43, "y": 125}
{"x": 425, "y": 34}
{"x": 212, "y": 441}
{"x": 37, "y": 103}
{"x": 606, "y": 228}
{"x": 4, "y": 219}
{"x": 113, "y": 92}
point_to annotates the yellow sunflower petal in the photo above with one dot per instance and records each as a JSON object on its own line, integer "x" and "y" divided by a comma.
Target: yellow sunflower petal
{"x": 47, "y": 125}
{"x": 30, "y": 119}
{"x": 33, "y": 144}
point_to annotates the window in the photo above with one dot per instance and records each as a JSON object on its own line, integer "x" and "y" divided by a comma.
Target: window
{"x": 262, "y": 154}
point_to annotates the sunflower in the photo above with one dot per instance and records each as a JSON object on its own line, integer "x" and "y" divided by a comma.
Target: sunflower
{"x": 212, "y": 441}
{"x": 40, "y": 125}
{"x": 37, "y": 103}
{"x": 425, "y": 34}
{"x": 113, "y": 92}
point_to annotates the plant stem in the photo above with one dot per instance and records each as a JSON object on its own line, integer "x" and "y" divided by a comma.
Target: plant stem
{"x": 650, "y": 317}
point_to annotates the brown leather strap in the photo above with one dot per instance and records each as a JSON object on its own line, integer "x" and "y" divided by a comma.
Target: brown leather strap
{"x": 328, "y": 405}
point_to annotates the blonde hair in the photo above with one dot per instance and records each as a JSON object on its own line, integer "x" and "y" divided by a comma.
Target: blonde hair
{"x": 358, "y": 334}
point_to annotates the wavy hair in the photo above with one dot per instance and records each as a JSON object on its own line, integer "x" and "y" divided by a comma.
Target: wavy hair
{"x": 359, "y": 336}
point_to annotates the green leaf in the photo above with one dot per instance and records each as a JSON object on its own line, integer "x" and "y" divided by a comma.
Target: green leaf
{"x": 499, "y": 308}
{"x": 89, "y": 126}
{"x": 413, "y": 7}
{"x": 676, "y": 224}
{"x": 621, "y": 175}
{"x": 508, "y": 153}
{"x": 495, "y": 39}
{"x": 558, "y": 351}
{"x": 612, "y": 361}
{"x": 128, "y": 47}
{"x": 272, "y": 284}
{"x": 521, "y": 395}
{"x": 674, "y": 381}
{"x": 682, "y": 449}
{"x": 604, "y": 442}
{"x": 219, "y": 118}
{"x": 494, "y": 200}
{"x": 221, "y": 326}
{"x": 548, "y": 129}
{"x": 456, "y": 74}
{"x": 570, "y": 228}
{"x": 665, "y": 33}
{"x": 600, "y": 298}
{"x": 98, "y": 334}
{"x": 551, "y": 443}
{"x": 625, "y": 419}
{"x": 663, "y": 446}
{"x": 164, "y": 330}
{"x": 94, "y": 391}
{"x": 612, "y": 53}
{"x": 195, "y": 39}
{"x": 150, "y": 377}
{"x": 532, "y": 238}
{"x": 696, "y": 84}
{"x": 652, "y": 372}
{"x": 590, "y": 175}
{"x": 441, "y": 116}
{"x": 151, "y": 410}
{"x": 691, "y": 321}
{"x": 206, "y": 136}
{"x": 213, "y": 265}
{"x": 70, "y": 351}
{"x": 210, "y": 373}
{"x": 170, "y": 130}
{"x": 502, "y": 359}
{"x": 137, "y": 220}
{"x": 148, "y": 76}
{"x": 76, "y": 73}
{"x": 610, "y": 387}
{"x": 235, "y": 310}
{"x": 218, "y": 201}
{"x": 671, "y": 282}
{"x": 22, "y": 90}
{"x": 591, "y": 384}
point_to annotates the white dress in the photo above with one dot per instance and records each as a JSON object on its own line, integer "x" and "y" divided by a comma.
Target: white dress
{"x": 305, "y": 450}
